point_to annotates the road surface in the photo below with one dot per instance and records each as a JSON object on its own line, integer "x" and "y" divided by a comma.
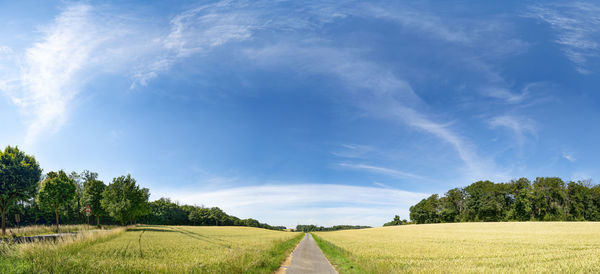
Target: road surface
{"x": 308, "y": 258}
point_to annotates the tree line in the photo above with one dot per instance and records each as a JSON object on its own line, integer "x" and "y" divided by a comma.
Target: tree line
{"x": 309, "y": 228}
{"x": 36, "y": 198}
{"x": 544, "y": 199}
{"x": 165, "y": 212}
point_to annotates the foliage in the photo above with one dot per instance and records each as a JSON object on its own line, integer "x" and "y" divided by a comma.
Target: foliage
{"x": 309, "y": 228}
{"x": 92, "y": 196}
{"x": 56, "y": 191}
{"x": 547, "y": 199}
{"x": 124, "y": 200}
{"x": 19, "y": 175}
{"x": 396, "y": 221}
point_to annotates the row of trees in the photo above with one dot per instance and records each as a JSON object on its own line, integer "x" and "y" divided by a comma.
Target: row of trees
{"x": 164, "y": 211}
{"x": 546, "y": 199}
{"x": 38, "y": 199}
{"x": 309, "y": 228}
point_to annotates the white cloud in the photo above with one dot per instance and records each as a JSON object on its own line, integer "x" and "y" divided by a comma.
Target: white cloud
{"x": 577, "y": 25}
{"x": 421, "y": 21}
{"x": 376, "y": 92}
{"x": 81, "y": 41}
{"x": 521, "y": 127}
{"x": 353, "y": 151}
{"x": 569, "y": 156}
{"x": 50, "y": 69}
{"x": 505, "y": 94}
{"x": 382, "y": 170}
{"x": 293, "y": 204}
{"x": 197, "y": 31}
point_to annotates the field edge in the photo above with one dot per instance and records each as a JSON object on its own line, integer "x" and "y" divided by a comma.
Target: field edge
{"x": 338, "y": 257}
{"x": 277, "y": 255}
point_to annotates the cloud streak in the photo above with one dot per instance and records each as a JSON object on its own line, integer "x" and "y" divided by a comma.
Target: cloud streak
{"x": 577, "y": 25}
{"x": 381, "y": 170}
{"x": 521, "y": 127}
{"x": 81, "y": 42}
{"x": 292, "y": 204}
{"x": 47, "y": 84}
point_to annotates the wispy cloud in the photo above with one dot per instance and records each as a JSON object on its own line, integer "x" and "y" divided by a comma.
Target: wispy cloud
{"x": 569, "y": 156}
{"x": 81, "y": 42}
{"x": 197, "y": 31}
{"x": 381, "y": 170}
{"x": 577, "y": 25}
{"x": 352, "y": 151}
{"x": 521, "y": 127}
{"x": 505, "y": 94}
{"x": 292, "y": 204}
{"x": 421, "y": 21}
{"x": 374, "y": 91}
{"x": 51, "y": 67}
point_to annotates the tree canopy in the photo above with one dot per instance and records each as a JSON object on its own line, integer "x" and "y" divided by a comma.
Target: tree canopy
{"x": 19, "y": 175}
{"x": 124, "y": 200}
{"x": 546, "y": 199}
{"x": 55, "y": 191}
{"x": 92, "y": 196}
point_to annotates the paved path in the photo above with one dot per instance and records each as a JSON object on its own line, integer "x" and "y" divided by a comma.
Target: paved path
{"x": 308, "y": 258}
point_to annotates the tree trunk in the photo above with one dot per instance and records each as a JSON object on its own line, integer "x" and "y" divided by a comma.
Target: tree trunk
{"x": 56, "y": 211}
{"x": 97, "y": 220}
{"x": 3, "y": 221}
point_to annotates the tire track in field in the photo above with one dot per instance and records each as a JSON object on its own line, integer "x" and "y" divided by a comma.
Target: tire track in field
{"x": 201, "y": 237}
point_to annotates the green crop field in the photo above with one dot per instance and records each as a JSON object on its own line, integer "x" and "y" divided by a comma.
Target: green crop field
{"x": 151, "y": 249}
{"x": 466, "y": 247}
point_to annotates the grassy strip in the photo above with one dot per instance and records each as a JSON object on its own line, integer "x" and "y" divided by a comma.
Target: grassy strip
{"x": 276, "y": 255}
{"x": 36, "y": 230}
{"x": 40, "y": 257}
{"x": 339, "y": 257}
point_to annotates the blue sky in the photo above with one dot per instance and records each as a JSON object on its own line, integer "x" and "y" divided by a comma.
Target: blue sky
{"x": 325, "y": 112}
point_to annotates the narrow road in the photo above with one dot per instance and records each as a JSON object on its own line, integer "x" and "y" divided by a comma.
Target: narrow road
{"x": 308, "y": 258}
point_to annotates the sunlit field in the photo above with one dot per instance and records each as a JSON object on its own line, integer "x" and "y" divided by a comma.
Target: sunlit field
{"x": 467, "y": 247}
{"x": 151, "y": 249}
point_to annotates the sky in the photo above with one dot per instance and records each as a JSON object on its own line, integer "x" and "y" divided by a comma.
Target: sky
{"x": 304, "y": 112}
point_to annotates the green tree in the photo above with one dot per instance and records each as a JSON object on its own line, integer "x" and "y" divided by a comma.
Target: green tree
{"x": 549, "y": 199}
{"x": 56, "y": 191}
{"x": 396, "y": 221}
{"x": 218, "y": 216}
{"x": 92, "y": 196}
{"x": 163, "y": 211}
{"x": 484, "y": 201}
{"x": 19, "y": 175}
{"x": 426, "y": 211}
{"x": 578, "y": 194}
{"x": 74, "y": 209}
{"x": 124, "y": 200}
{"x": 200, "y": 216}
{"x": 452, "y": 205}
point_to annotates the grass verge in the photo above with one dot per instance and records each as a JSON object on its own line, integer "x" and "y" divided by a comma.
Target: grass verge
{"x": 41, "y": 257}
{"x": 35, "y": 230}
{"x": 276, "y": 256}
{"x": 339, "y": 257}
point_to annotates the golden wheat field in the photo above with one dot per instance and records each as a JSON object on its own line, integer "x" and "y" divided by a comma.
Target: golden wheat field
{"x": 152, "y": 249}
{"x": 470, "y": 247}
